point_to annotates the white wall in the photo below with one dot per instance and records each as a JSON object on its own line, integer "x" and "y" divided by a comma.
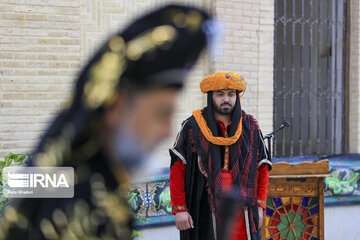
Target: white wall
{"x": 168, "y": 233}
{"x": 342, "y": 223}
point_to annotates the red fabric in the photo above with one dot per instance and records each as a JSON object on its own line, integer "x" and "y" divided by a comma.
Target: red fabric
{"x": 238, "y": 230}
{"x": 177, "y": 186}
{"x": 222, "y": 125}
{"x": 226, "y": 180}
{"x": 177, "y": 191}
{"x": 224, "y": 128}
{"x": 263, "y": 182}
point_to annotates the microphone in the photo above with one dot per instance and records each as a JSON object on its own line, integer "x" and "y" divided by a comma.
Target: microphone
{"x": 269, "y": 136}
{"x": 285, "y": 123}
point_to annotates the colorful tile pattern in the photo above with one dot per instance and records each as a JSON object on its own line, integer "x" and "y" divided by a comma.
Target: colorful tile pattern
{"x": 292, "y": 218}
{"x": 150, "y": 199}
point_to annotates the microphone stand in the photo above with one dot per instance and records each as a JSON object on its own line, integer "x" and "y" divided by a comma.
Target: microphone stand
{"x": 271, "y": 135}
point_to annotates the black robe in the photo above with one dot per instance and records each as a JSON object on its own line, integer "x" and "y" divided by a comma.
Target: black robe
{"x": 197, "y": 189}
{"x": 99, "y": 209}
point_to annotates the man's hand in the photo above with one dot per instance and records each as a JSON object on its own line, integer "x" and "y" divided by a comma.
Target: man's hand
{"x": 261, "y": 216}
{"x": 183, "y": 221}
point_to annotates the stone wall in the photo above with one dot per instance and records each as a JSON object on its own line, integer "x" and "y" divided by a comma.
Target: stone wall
{"x": 43, "y": 44}
{"x": 248, "y": 49}
{"x": 39, "y": 56}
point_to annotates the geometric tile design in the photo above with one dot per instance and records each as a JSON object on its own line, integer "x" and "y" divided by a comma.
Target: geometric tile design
{"x": 292, "y": 218}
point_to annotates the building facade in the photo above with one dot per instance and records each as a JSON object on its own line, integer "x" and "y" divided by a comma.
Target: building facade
{"x": 300, "y": 60}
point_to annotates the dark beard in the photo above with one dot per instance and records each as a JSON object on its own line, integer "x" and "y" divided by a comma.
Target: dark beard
{"x": 223, "y": 111}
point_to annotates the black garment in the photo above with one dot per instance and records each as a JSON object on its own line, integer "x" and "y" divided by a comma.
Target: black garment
{"x": 155, "y": 51}
{"x": 99, "y": 209}
{"x": 197, "y": 186}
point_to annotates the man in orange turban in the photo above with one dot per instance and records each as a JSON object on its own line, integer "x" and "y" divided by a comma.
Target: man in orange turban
{"x": 219, "y": 148}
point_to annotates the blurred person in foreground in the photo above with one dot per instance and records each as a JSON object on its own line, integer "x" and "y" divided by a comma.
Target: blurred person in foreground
{"x": 122, "y": 107}
{"x": 219, "y": 148}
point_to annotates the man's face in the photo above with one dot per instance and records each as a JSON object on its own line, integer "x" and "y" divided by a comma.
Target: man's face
{"x": 151, "y": 116}
{"x": 147, "y": 116}
{"x": 224, "y": 101}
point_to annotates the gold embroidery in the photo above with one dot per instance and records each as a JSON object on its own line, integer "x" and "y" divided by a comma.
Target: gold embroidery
{"x": 179, "y": 208}
{"x": 105, "y": 74}
{"x": 226, "y": 157}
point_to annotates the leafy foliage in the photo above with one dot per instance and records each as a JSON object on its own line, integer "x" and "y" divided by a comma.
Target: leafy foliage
{"x": 12, "y": 159}
{"x": 136, "y": 234}
{"x": 141, "y": 219}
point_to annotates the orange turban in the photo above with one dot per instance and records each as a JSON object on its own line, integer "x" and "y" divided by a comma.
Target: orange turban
{"x": 223, "y": 80}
